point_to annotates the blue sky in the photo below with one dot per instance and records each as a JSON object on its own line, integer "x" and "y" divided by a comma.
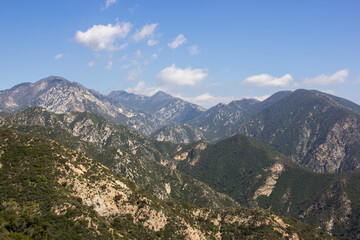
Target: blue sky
{"x": 204, "y": 51}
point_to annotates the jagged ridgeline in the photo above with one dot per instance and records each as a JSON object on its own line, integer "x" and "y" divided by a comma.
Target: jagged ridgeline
{"x": 51, "y": 192}
{"x": 123, "y": 150}
{"x": 254, "y": 174}
{"x": 250, "y": 172}
{"x": 315, "y": 129}
{"x": 319, "y": 131}
{"x": 56, "y": 94}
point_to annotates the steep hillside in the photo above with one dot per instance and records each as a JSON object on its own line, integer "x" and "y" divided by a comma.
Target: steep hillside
{"x": 160, "y": 105}
{"x": 59, "y": 95}
{"x": 221, "y": 120}
{"x": 122, "y": 150}
{"x": 51, "y": 192}
{"x": 256, "y": 175}
{"x": 178, "y": 134}
{"x": 95, "y": 129}
{"x": 312, "y": 129}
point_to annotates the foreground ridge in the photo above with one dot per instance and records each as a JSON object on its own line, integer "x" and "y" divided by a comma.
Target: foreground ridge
{"x": 49, "y": 191}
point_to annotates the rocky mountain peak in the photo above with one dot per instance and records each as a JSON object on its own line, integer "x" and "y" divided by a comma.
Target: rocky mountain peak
{"x": 161, "y": 94}
{"x": 54, "y": 79}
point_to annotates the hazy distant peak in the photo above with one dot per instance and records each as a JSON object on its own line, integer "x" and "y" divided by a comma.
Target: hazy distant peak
{"x": 54, "y": 79}
{"x": 161, "y": 94}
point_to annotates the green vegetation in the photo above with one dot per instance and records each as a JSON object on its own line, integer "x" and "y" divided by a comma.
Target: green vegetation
{"x": 301, "y": 126}
{"x": 237, "y": 166}
{"x": 240, "y": 165}
{"x": 48, "y": 192}
{"x": 124, "y": 150}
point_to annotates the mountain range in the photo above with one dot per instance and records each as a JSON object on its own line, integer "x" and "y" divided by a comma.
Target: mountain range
{"x": 317, "y": 130}
{"x": 295, "y": 153}
{"x": 52, "y": 192}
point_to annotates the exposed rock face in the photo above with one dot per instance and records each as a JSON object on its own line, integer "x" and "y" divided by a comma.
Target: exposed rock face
{"x": 59, "y": 95}
{"x": 256, "y": 175}
{"x": 336, "y": 153}
{"x": 221, "y": 120}
{"x": 312, "y": 129}
{"x": 161, "y": 105}
{"x": 271, "y": 180}
{"x": 125, "y": 151}
{"x": 106, "y": 206}
{"x": 339, "y": 213}
{"x": 177, "y": 134}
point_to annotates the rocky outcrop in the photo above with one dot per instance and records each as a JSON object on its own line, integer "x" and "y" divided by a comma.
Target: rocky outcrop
{"x": 312, "y": 129}
{"x": 271, "y": 180}
{"x": 178, "y": 134}
{"x": 160, "y": 105}
{"x": 93, "y": 201}
{"x": 59, "y": 95}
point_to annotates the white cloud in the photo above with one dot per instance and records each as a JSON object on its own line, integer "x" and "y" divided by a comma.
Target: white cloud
{"x": 146, "y": 32}
{"x": 179, "y": 40}
{"x": 103, "y": 37}
{"x": 142, "y": 88}
{"x": 178, "y": 76}
{"x": 152, "y": 42}
{"x": 132, "y": 9}
{"x": 126, "y": 66}
{"x": 193, "y": 50}
{"x": 58, "y": 56}
{"x": 138, "y": 54}
{"x": 134, "y": 74}
{"x": 323, "y": 79}
{"x": 109, "y": 65}
{"x": 332, "y": 92}
{"x": 91, "y": 64}
{"x": 266, "y": 80}
{"x": 109, "y": 3}
{"x": 207, "y": 100}
{"x": 154, "y": 56}
{"x": 261, "y": 98}
{"x": 123, "y": 58}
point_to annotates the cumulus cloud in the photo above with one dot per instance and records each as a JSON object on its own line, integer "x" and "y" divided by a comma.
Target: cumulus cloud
{"x": 91, "y": 64}
{"x": 179, "y": 40}
{"x": 143, "y": 89}
{"x": 146, "y": 32}
{"x": 332, "y": 92}
{"x": 266, "y": 80}
{"x": 154, "y": 56}
{"x": 134, "y": 74}
{"x": 103, "y": 37}
{"x": 179, "y": 76}
{"x": 138, "y": 54}
{"x": 109, "y": 65}
{"x": 261, "y": 98}
{"x": 58, "y": 56}
{"x": 152, "y": 42}
{"x": 193, "y": 50}
{"x": 323, "y": 79}
{"x": 207, "y": 100}
{"x": 132, "y": 9}
{"x": 109, "y": 3}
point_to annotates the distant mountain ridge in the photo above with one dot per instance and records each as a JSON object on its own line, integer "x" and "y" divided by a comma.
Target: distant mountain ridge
{"x": 161, "y": 105}
{"x": 59, "y": 95}
{"x": 318, "y": 130}
{"x": 312, "y": 128}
